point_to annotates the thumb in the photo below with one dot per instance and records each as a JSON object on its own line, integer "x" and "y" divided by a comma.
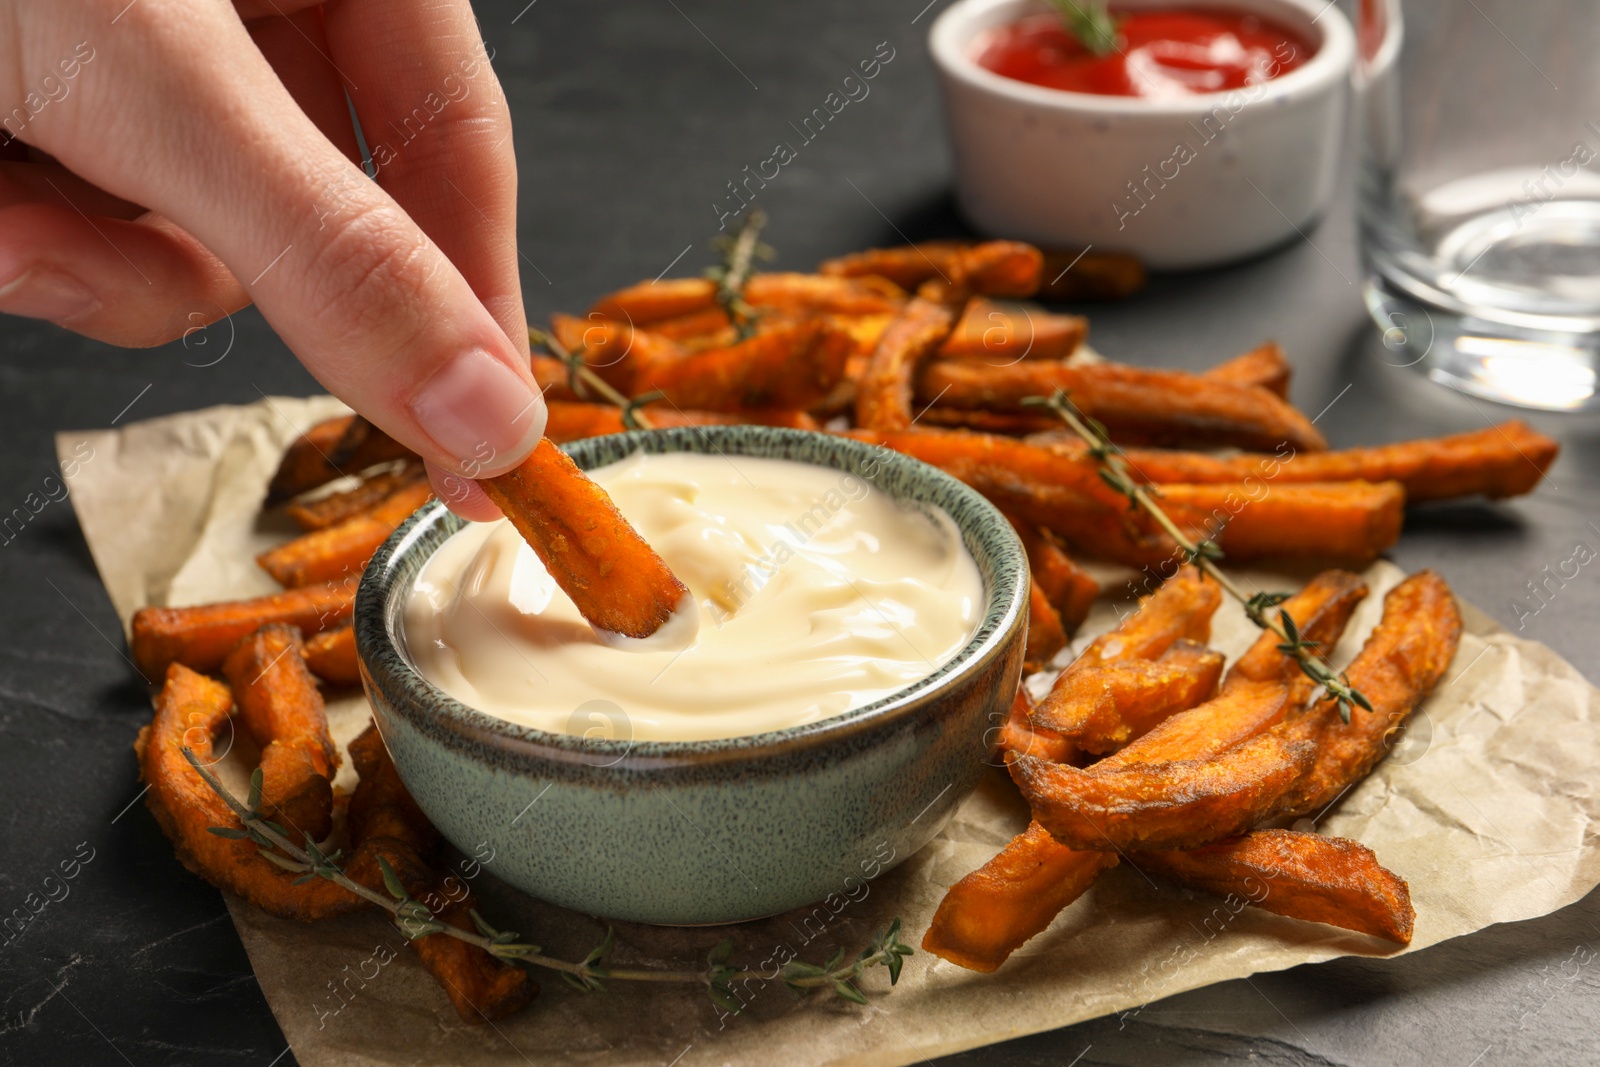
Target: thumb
{"x": 184, "y": 115}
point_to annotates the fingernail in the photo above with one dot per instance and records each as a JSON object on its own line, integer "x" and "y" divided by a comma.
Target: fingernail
{"x": 480, "y": 413}
{"x": 41, "y": 293}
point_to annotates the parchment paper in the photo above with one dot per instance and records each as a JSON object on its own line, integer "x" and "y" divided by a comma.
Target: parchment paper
{"x": 1485, "y": 807}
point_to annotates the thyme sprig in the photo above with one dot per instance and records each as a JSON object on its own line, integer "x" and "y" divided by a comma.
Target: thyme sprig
{"x": 1204, "y": 554}
{"x": 1090, "y": 22}
{"x": 415, "y": 920}
{"x": 581, "y": 376}
{"x": 739, "y": 253}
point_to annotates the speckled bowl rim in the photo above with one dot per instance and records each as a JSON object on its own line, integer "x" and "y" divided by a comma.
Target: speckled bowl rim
{"x": 391, "y": 670}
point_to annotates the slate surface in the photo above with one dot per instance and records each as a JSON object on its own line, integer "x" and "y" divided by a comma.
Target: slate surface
{"x": 631, "y": 117}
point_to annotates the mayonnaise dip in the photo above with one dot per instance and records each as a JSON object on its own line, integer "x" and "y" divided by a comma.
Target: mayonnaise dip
{"x": 815, "y": 593}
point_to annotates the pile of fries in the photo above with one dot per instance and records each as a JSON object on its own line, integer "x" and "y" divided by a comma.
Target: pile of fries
{"x": 1145, "y": 751}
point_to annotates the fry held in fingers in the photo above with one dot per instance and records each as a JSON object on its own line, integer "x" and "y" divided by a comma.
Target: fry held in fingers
{"x": 616, "y": 580}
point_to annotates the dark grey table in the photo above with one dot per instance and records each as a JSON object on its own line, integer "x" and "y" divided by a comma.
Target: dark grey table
{"x": 631, "y": 120}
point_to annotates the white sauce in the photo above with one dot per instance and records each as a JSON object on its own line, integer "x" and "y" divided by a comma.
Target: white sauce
{"x": 814, "y": 593}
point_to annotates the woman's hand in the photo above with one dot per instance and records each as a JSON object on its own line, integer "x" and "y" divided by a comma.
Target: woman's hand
{"x": 166, "y": 162}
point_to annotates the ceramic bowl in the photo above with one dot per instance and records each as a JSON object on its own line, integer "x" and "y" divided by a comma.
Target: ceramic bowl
{"x": 708, "y": 831}
{"x": 1181, "y": 184}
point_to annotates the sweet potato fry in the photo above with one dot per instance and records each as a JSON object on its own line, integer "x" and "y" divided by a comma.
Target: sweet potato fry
{"x": 1138, "y": 405}
{"x": 281, "y": 709}
{"x": 363, "y": 445}
{"x": 1088, "y": 275}
{"x": 823, "y": 293}
{"x": 382, "y": 811}
{"x": 1010, "y": 423}
{"x": 334, "y": 508}
{"x": 570, "y": 421}
{"x": 883, "y": 393}
{"x": 200, "y": 637}
{"x": 331, "y": 655}
{"x": 1179, "y": 610}
{"x": 709, "y": 327}
{"x": 305, "y": 463}
{"x": 383, "y": 816}
{"x": 999, "y": 268}
{"x": 1304, "y": 876}
{"x": 331, "y": 449}
{"x": 1320, "y": 611}
{"x": 792, "y": 365}
{"x": 989, "y": 913}
{"x": 1336, "y": 522}
{"x": 1004, "y": 333}
{"x": 190, "y": 710}
{"x": 614, "y": 578}
{"x": 1046, "y": 636}
{"x": 908, "y": 266}
{"x": 1020, "y": 736}
{"x": 1265, "y": 367}
{"x": 1497, "y": 461}
{"x": 616, "y": 351}
{"x": 1067, "y": 586}
{"x": 1014, "y": 896}
{"x": 481, "y": 988}
{"x": 1104, "y": 708}
{"x": 650, "y": 302}
{"x": 554, "y": 380}
{"x": 1181, "y": 804}
{"x": 985, "y": 917}
{"x": 865, "y": 330}
{"x": 338, "y": 551}
{"x": 1242, "y": 711}
{"x": 1402, "y": 660}
{"x": 990, "y": 268}
{"x": 1031, "y": 483}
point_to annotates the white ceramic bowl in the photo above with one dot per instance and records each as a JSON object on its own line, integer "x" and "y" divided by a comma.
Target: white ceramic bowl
{"x": 1181, "y": 184}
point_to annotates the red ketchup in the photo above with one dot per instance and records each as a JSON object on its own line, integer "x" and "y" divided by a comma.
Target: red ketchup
{"x": 1164, "y": 54}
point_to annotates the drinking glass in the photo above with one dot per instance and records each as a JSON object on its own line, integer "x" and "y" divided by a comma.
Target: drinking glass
{"x": 1479, "y": 193}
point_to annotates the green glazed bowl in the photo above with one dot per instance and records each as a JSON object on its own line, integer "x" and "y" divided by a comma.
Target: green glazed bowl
{"x": 704, "y": 831}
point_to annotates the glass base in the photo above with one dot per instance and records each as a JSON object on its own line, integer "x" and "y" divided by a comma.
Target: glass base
{"x": 1550, "y": 370}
